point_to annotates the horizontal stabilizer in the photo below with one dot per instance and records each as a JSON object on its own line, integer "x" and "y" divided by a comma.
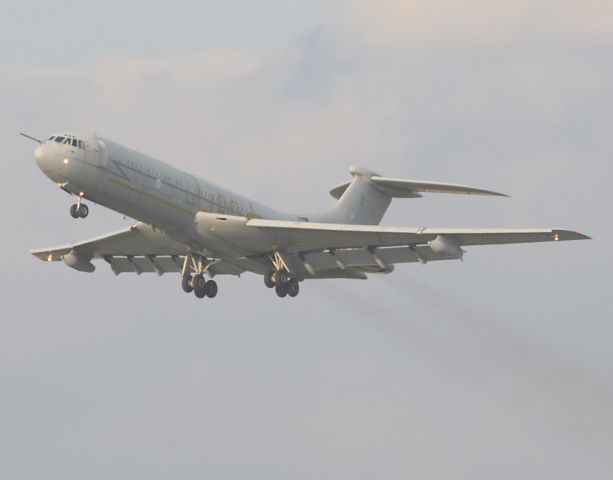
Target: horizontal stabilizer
{"x": 398, "y": 188}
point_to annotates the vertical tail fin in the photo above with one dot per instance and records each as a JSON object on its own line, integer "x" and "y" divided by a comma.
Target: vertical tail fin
{"x": 364, "y": 200}
{"x": 360, "y": 202}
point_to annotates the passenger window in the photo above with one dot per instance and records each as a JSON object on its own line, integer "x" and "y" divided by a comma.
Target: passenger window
{"x": 81, "y": 144}
{"x": 74, "y": 142}
{"x": 67, "y": 141}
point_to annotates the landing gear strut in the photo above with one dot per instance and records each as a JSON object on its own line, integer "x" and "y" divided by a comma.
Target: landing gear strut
{"x": 280, "y": 279}
{"x": 197, "y": 283}
{"x": 79, "y": 210}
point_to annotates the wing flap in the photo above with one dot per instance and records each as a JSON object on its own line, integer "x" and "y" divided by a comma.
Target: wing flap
{"x": 355, "y": 258}
{"x": 120, "y": 265}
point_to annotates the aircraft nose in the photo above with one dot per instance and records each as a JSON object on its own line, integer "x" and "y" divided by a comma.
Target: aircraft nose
{"x": 42, "y": 157}
{"x": 38, "y": 154}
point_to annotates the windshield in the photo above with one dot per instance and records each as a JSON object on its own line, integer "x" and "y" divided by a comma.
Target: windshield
{"x": 67, "y": 140}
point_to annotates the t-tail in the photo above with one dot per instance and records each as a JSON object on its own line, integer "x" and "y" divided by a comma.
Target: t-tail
{"x": 364, "y": 199}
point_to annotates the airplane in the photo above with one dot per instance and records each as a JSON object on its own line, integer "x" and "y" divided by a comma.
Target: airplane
{"x": 188, "y": 225}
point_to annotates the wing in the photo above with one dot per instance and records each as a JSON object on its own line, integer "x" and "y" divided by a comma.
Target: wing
{"x": 301, "y": 236}
{"x": 315, "y": 249}
{"x": 324, "y": 250}
{"x": 137, "y": 249}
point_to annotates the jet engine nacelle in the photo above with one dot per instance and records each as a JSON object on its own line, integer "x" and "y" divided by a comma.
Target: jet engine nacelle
{"x": 79, "y": 262}
{"x": 446, "y": 246}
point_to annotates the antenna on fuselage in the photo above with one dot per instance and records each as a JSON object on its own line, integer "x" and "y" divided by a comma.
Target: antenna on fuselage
{"x": 30, "y": 137}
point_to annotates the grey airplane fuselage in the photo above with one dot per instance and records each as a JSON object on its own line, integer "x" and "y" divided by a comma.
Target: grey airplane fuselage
{"x": 141, "y": 187}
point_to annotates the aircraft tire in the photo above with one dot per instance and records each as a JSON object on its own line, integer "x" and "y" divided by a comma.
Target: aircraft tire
{"x": 186, "y": 284}
{"x": 281, "y": 290}
{"x": 211, "y": 289}
{"x": 74, "y": 211}
{"x": 268, "y": 280}
{"x": 281, "y": 277}
{"x": 83, "y": 211}
{"x": 199, "y": 286}
{"x": 293, "y": 287}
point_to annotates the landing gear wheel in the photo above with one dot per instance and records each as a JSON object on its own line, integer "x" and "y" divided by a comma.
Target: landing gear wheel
{"x": 281, "y": 277}
{"x": 83, "y": 211}
{"x": 199, "y": 286}
{"x": 293, "y": 288}
{"x": 281, "y": 290}
{"x": 74, "y": 211}
{"x": 268, "y": 279}
{"x": 186, "y": 284}
{"x": 211, "y": 289}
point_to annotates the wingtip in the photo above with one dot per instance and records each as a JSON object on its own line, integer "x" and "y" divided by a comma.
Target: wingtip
{"x": 488, "y": 193}
{"x": 569, "y": 235}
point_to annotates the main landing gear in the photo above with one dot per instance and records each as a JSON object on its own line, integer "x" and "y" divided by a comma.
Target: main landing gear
{"x": 197, "y": 283}
{"x": 280, "y": 280}
{"x": 79, "y": 210}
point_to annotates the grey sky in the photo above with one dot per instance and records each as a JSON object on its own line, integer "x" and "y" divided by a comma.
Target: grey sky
{"x": 497, "y": 366}
{"x": 68, "y": 32}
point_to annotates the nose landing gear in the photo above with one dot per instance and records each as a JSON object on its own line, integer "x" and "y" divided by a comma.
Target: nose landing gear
{"x": 79, "y": 210}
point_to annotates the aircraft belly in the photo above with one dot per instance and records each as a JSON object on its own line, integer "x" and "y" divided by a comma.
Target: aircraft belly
{"x": 232, "y": 233}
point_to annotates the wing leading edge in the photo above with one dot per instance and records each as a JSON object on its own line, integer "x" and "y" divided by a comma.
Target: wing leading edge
{"x": 302, "y": 236}
{"x": 312, "y": 250}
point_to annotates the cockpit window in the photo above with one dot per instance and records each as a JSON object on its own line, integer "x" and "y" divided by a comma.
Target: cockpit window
{"x": 70, "y": 141}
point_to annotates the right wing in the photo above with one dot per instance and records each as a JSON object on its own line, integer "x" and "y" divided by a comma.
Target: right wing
{"x": 139, "y": 239}
{"x": 136, "y": 249}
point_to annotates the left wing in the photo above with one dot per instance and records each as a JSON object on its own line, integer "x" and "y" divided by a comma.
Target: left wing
{"x": 314, "y": 250}
{"x": 317, "y": 248}
{"x": 298, "y": 236}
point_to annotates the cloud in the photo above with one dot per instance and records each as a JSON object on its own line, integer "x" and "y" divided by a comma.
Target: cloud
{"x": 523, "y": 106}
{"x": 411, "y": 24}
{"x": 325, "y": 102}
